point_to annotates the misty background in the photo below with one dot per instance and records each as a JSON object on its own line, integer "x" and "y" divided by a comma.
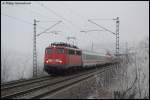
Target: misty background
{"x": 17, "y": 29}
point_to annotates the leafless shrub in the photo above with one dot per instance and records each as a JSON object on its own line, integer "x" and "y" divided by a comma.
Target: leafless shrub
{"x": 130, "y": 77}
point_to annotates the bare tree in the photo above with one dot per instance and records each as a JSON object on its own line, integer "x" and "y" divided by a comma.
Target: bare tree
{"x": 4, "y": 65}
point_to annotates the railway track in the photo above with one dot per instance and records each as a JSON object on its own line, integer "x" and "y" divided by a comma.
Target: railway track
{"x": 22, "y": 82}
{"x": 43, "y": 87}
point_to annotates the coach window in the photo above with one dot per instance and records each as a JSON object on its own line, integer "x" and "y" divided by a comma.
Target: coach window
{"x": 60, "y": 50}
{"x": 78, "y": 52}
{"x": 71, "y": 52}
{"x": 48, "y": 50}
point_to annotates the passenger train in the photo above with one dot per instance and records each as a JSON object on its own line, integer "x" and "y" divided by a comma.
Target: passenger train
{"x": 61, "y": 57}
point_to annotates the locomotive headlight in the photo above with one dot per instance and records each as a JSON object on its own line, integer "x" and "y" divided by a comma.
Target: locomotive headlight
{"x": 60, "y": 61}
{"x": 50, "y": 60}
{"x": 57, "y": 60}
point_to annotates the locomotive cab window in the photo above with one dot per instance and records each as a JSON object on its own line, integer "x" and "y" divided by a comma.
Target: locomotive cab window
{"x": 60, "y": 50}
{"x": 48, "y": 50}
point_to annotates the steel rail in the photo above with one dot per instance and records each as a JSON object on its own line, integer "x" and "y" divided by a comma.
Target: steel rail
{"x": 57, "y": 87}
{"x": 19, "y": 81}
{"x": 10, "y": 86}
{"x": 32, "y": 92}
{"x": 23, "y": 92}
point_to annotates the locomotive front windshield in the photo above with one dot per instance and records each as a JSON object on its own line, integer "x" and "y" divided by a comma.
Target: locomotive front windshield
{"x": 59, "y": 50}
{"x": 49, "y": 51}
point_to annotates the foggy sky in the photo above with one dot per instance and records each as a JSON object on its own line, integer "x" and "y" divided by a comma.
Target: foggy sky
{"x": 17, "y": 35}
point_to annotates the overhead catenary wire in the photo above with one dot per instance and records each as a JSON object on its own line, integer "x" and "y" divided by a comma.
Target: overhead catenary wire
{"x": 102, "y": 19}
{"x": 16, "y": 18}
{"x": 19, "y": 19}
{"x": 81, "y": 16}
{"x": 65, "y": 6}
{"x": 24, "y": 21}
{"x": 101, "y": 27}
{"x": 43, "y": 21}
{"x": 60, "y": 16}
{"x": 27, "y": 22}
{"x": 48, "y": 28}
{"x": 67, "y": 27}
{"x": 37, "y": 13}
{"x": 72, "y": 11}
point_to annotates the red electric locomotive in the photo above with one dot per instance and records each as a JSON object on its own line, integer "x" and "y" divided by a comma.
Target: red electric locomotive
{"x": 60, "y": 57}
